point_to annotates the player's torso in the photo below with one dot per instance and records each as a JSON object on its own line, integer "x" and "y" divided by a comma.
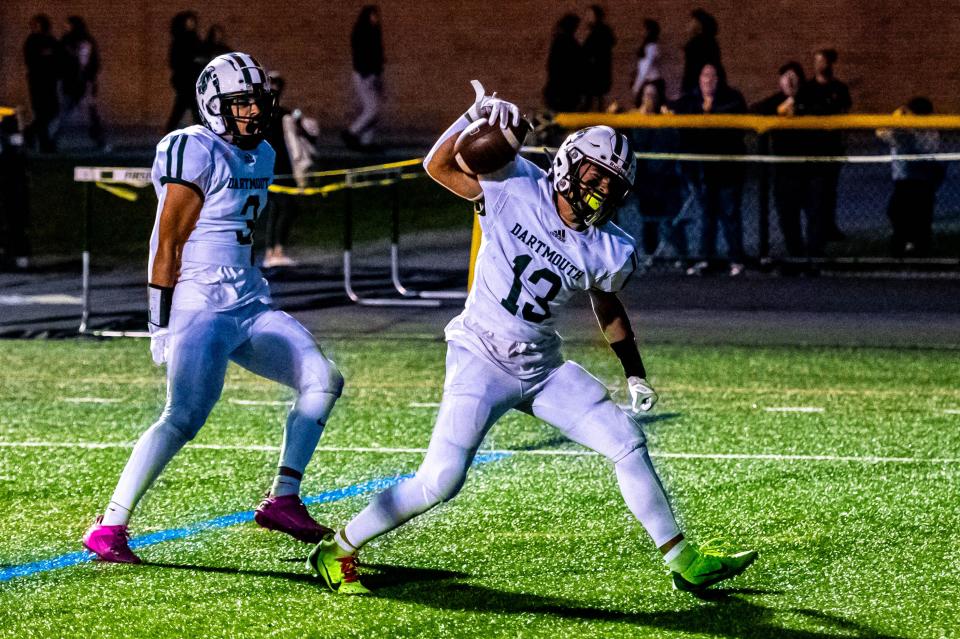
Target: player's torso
{"x": 235, "y": 193}
{"x": 530, "y": 263}
{"x": 217, "y": 271}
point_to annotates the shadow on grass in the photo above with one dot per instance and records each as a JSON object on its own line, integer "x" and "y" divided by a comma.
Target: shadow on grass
{"x": 376, "y": 576}
{"x": 724, "y": 613}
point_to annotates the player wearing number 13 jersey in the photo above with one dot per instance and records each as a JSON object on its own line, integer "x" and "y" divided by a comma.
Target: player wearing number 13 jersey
{"x": 546, "y": 237}
{"x": 210, "y": 305}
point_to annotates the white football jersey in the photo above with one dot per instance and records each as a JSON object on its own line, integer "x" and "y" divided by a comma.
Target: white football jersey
{"x": 217, "y": 271}
{"x": 530, "y": 264}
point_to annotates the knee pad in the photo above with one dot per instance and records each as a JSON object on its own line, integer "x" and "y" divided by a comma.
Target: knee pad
{"x": 319, "y": 374}
{"x": 441, "y": 484}
{"x": 635, "y": 448}
{"x": 185, "y": 419}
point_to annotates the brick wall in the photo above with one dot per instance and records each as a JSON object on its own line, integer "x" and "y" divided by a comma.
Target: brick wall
{"x": 889, "y": 50}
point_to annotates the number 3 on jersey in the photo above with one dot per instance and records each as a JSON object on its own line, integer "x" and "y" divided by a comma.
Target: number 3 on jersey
{"x": 251, "y": 211}
{"x": 520, "y": 264}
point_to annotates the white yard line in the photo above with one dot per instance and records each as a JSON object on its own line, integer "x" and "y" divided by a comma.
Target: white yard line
{"x": 255, "y": 402}
{"x": 952, "y": 411}
{"x": 91, "y": 400}
{"x": 793, "y": 409}
{"x": 424, "y": 405}
{"x": 863, "y": 459}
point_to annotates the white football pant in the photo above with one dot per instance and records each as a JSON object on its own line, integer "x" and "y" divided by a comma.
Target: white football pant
{"x": 476, "y": 393}
{"x": 269, "y": 343}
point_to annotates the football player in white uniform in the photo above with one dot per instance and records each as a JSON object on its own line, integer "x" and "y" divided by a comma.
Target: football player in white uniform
{"x": 546, "y": 237}
{"x": 210, "y": 305}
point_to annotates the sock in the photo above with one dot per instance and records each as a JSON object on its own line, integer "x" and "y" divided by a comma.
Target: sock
{"x": 300, "y": 438}
{"x": 645, "y": 496}
{"x": 681, "y": 556}
{"x": 150, "y": 455}
{"x": 344, "y": 547}
{"x": 287, "y": 482}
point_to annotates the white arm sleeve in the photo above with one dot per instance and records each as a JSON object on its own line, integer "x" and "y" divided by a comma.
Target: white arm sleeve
{"x": 454, "y": 129}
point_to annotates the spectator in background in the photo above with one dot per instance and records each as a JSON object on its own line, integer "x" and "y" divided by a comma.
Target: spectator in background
{"x": 366, "y": 45}
{"x": 216, "y": 42}
{"x": 80, "y": 69}
{"x": 828, "y": 96}
{"x": 281, "y": 208}
{"x": 41, "y": 53}
{"x": 564, "y": 90}
{"x": 701, "y": 49}
{"x": 658, "y": 185}
{"x": 14, "y": 196}
{"x": 915, "y": 183}
{"x": 797, "y": 187}
{"x": 598, "y": 59}
{"x": 717, "y": 186}
{"x": 648, "y": 62}
{"x": 187, "y": 60}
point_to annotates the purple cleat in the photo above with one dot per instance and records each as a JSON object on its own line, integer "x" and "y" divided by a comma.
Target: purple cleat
{"x": 287, "y": 514}
{"x": 109, "y": 543}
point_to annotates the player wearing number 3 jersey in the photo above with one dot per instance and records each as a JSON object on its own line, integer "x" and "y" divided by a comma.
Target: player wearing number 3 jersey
{"x": 210, "y": 305}
{"x": 546, "y": 237}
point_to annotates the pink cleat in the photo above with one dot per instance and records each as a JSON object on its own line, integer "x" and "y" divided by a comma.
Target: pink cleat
{"x": 109, "y": 543}
{"x": 287, "y": 514}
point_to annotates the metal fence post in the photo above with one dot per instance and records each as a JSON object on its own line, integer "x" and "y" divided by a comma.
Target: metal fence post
{"x": 763, "y": 188}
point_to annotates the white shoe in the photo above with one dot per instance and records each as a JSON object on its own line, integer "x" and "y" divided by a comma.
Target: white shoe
{"x": 736, "y": 269}
{"x": 698, "y": 268}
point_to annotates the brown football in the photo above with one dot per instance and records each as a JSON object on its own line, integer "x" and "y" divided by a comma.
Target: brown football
{"x": 484, "y": 148}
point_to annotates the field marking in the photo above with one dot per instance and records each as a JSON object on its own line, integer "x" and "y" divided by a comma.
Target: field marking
{"x": 72, "y": 559}
{"x": 863, "y": 459}
{"x": 258, "y": 402}
{"x": 952, "y": 411}
{"x": 91, "y": 400}
{"x": 53, "y": 299}
{"x": 793, "y": 409}
{"x": 423, "y": 405}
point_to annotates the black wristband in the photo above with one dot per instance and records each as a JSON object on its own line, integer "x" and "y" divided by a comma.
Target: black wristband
{"x": 629, "y": 356}
{"x": 160, "y": 301}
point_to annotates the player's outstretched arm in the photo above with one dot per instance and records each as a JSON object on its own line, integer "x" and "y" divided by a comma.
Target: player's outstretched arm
{"x": 181, "y": 209}
{"x": 441, "y": 163}
{"x": 615, "y": 325}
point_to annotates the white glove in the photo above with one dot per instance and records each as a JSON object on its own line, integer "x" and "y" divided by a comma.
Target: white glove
{"x": 642, "y": 395}
{"x": 492, "y": 108}
{"x": 159, "y": 345}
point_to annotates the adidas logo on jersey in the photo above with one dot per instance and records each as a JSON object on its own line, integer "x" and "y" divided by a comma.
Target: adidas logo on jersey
{"x": 560, "y": 234}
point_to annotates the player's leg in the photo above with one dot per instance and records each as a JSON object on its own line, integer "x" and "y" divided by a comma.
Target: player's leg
{"x": 201, "y": 342}
{"x": 579, "y": 405}
{"x": 281, "y": 349}
{"x": 475, "y": 395}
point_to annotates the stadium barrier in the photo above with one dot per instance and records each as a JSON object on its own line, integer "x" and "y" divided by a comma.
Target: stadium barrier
{"x": 866, "y": 181}
{"x": 862, "y": 179}
{"x": 124, "y": 183}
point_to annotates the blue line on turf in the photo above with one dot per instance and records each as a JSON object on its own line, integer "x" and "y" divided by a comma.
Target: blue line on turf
{"x": 74, "y": 558}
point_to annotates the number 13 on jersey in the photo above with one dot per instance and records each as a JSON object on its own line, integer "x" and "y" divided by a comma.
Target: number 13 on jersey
{"x": 528, "y": 312}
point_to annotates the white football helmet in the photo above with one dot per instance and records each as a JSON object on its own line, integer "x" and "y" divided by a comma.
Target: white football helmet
{"x": 611, "y": 154}
{"x": 234, "y": 79}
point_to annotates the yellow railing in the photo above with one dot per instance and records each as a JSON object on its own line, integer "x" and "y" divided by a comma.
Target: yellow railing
{"x": 758, "y": 123}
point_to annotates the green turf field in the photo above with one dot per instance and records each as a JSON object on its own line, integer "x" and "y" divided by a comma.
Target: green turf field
{"x": 853, "y": 508}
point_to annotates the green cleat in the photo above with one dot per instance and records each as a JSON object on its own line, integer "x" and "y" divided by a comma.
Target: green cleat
{"x": 711, "y": 566}
{"x": 339, "y": 571}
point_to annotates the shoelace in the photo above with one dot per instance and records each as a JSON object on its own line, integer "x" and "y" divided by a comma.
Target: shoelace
{"x": 348, "y": 568}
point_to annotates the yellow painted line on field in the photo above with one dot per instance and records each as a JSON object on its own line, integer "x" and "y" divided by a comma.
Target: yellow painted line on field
{"x": 758, "y": 123}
